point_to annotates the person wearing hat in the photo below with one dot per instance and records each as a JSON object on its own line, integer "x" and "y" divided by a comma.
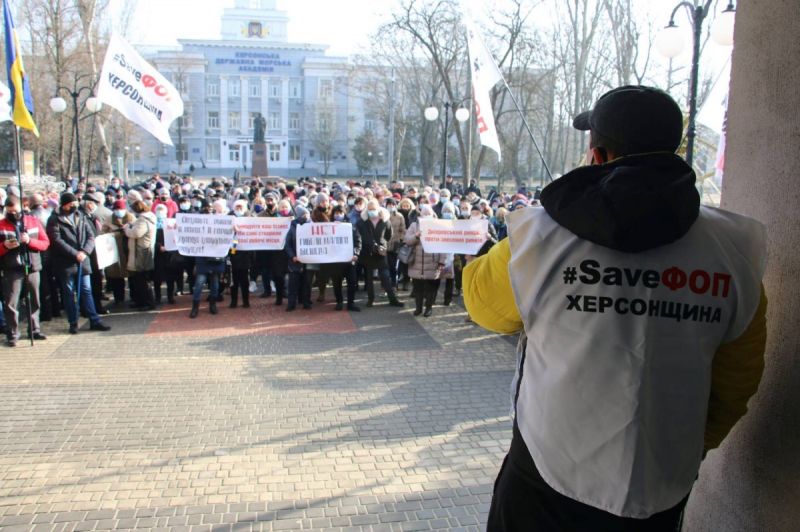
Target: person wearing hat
{"x": 91, "y": 211}
{"x": 163, "y": 198}
{"x": 71, "y": 242}
{"x": 643, "y": 328}
{"x": 299, "y": 276}
{"x": 117, "y": 274}
{"x": 207, "y": 269}
{"x": 22, "y": 239}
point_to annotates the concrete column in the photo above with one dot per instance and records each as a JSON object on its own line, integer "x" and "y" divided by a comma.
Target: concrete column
{"x": 244, "y": 116}
{"x": 752, "y": 483}
{"x": 265, "y": 98}
{"x": 223, "y": 106}
{"x": 284, "y": 106}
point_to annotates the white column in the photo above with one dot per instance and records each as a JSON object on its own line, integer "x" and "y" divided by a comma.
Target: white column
{"x": 223, "y": 107}
{"x": 284, "y": 107}
{"x": 245, "y": 92}
{"x": 265, "y": 99}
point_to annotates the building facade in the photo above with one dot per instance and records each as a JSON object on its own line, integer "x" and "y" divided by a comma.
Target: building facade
{"x": 303, "y": 94}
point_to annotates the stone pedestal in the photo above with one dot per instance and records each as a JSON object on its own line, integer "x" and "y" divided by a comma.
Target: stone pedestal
{"x": 260, "y": 167}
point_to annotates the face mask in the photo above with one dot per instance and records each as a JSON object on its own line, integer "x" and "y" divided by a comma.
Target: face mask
{"x": 13, "y": 218}
{"x": 372, "y": 214}
{"x": 68, "y": 209}
{"x": 164, "y": 199}
{"x": 338, "y": 218}
{"x": 258, "y": 208}
{"x": 392, "y": 210}
{"x": 359, "y": 208}
{"x": 185, "y": 206}
{"x": 284, "y": 212}
{"x": 448, "y": 215}
{"x": 238, "y": 213}
{"x": 120, "y": 213}
{"x": 161, "y": 215}
{"x": 198, "y": 204}
{"x": 351, "y": 202}
{"x": 475, "y": 216}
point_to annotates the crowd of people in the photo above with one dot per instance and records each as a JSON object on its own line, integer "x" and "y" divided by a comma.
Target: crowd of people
{"x": 47, "y": 253}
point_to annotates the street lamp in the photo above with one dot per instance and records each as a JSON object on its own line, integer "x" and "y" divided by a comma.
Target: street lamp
{"x": 59, "y": 105}
{"x": 432, "y": 114}
{"x": 670, "y": 43}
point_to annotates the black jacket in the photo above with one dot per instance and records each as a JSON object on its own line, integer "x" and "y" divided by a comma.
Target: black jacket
{"x": 373, "y": 237}
{"x": 70, "y": 235}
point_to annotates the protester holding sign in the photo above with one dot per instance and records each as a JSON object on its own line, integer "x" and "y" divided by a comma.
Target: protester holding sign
{"x": 116, "y": 274}
{"x": 375, "y": 233}
{"x": 141, "y": 261}
{"x": 425, "y": 269}
{"x": 299, "y": 277}
{"x": 339, "y": 271}
{"x": 241, "y": 263}
{"x": 207, "y": 269}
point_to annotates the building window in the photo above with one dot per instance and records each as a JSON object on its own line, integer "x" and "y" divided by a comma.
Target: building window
{"x": 234, "y": 153}
{"x": 181, "y": 152}
{"x": 294, "y": 89}
{"x": 324, "y": 121}
{"x": 274, "y": 90}
{"x": 213, "y": 120}
{"x": 294, "y": 152}
{"x": 234, "y": 119}
{"x": 274, "y": 152}
{"x": 185, "y": 121}
{"x": 212, "y": 89}
{"x": 294, "y": 120}
{"x": 255, "y": 87}
{"x": 369, "y": 124}
{"x": 212, "y": 151}
{"x": 274, "y": 120}
{"x": 234, "y": 87}
{"x": 326, "y": 88}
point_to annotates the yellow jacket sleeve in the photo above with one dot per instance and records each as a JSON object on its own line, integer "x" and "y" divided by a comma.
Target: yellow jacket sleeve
{"x": 735, "y": 373}
{"x": 487, "y": 291}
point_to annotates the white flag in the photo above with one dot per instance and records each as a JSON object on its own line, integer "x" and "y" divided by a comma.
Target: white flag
{"x": 5, "y": 103}
{"x": 485, "y": 74}
{"x": 134, "y": 88}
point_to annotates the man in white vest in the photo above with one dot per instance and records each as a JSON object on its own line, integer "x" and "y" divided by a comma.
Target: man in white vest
{"x": 643, "y": 328}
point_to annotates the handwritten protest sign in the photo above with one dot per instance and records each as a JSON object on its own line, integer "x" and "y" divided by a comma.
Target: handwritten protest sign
{"x": 204, "y": 235}
{"x": 261, "y": 233}
{"x": 170, "y": 234}
{"x": 453, "y": 236}
{"x": 107, "y": 252}
{"x": 323, "y": 243}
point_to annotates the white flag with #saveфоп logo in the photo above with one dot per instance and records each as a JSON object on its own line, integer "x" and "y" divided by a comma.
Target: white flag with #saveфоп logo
{"x": 485, "y": 75}
{"x": 133, "y": 87}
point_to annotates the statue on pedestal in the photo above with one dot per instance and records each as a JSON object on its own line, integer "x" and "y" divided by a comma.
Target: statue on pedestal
{"x": 259, "y": 128}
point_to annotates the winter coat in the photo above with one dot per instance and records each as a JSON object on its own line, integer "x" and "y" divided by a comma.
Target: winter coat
{"x": 398, "y": 224}
{"x": 70, "y": 235}
{"x": 373, "y": 236}
{"x": 11, "y": 259}
{"x": 424, "y": 265}
{"x": 114, "y": 227}
{"x": 141, "y": 243}
{"x": 291, "y": 248}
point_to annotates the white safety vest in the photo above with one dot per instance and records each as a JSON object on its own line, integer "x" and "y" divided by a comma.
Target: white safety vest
{"x": 617, "y": 368}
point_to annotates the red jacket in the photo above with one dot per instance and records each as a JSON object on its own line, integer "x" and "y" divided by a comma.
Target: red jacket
{"x": 10, "y": 258}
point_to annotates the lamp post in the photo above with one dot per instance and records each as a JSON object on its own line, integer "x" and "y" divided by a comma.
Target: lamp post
{"x": 432, "y": 114}
{"x": 670, "y": 43}
{"x": 59, "y": 105}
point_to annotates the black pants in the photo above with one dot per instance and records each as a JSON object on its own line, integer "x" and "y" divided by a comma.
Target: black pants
{"x": 424, "y": 291}
{"x": 141, "y": 293}
{"x": 299, "y": 288}
{"x": 393, "y": 262}
{"x": 240, "y": 283}
{"x": 337, "y": 275}
{"x": 117, "y": 286}
{"x": 383, "y": 275}
{"x": 523, "y": 501}
{"x": 448, "y": 290}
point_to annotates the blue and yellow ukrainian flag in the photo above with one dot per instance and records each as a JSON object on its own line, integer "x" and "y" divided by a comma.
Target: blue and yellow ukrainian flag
{"x": 21, "y": 100}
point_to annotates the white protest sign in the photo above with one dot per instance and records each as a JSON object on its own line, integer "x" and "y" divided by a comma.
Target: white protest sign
{"x": 133, "y": 87}
{"x": 261, "y": 233}
{"x": 453, "y": 236}
{"x": 171, "y": 234}
{"x": 324, "y": 243}
{"x": 204, "y": 235}
{"x": 107, "y": 252}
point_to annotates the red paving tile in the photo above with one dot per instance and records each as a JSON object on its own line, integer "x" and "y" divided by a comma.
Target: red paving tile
{"x": 263, "y": 317}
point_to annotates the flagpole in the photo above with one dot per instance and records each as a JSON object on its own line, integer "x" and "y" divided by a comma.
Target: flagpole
{"x": 25, "y": 251}
{"x": 530, "y": 132}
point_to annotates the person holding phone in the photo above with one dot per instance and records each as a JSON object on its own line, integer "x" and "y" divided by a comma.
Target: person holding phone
{"x": 22, "y": 239}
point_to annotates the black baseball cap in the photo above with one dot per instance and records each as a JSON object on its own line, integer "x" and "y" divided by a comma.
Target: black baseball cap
{"x": 642, "y": 118}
